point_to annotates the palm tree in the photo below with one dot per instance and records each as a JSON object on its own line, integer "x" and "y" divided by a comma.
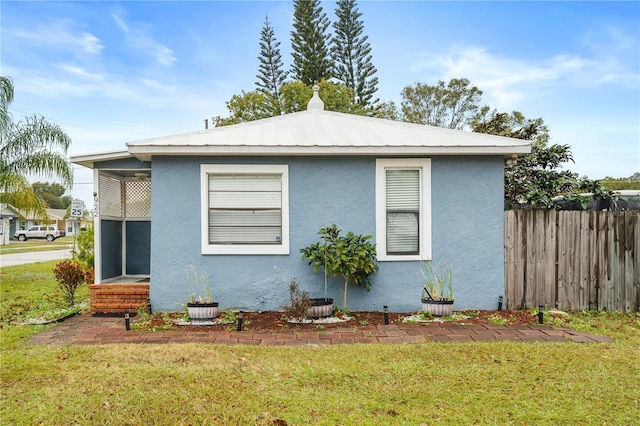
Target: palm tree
{"x": 32, "y": 146}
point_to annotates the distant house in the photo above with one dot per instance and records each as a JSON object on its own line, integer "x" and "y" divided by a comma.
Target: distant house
{"x": 18, "y": 220}
{"x": 238, "y": 202}
{"x": 7, "y": 215}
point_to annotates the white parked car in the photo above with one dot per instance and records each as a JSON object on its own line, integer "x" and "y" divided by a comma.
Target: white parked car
{"x": 50, "y": 232}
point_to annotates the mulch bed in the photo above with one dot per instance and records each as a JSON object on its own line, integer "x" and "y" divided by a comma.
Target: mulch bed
{"x": 274, "y": 320}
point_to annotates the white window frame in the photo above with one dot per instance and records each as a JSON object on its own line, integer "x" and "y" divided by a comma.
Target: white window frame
{"x": 424, "y": 225}
{"x": 243, "y": 249}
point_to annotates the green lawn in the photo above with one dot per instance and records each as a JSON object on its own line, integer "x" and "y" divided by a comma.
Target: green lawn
{"x": 492, "y": 383}
{"x": 36, "y": 245}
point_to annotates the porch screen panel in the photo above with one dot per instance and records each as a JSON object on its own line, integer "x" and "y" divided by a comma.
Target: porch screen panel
{"x": 245, "y": 209}
{"x": 403, "y": 211}
{"x": 110, "y": 190}
{"x": 138, "y": 198}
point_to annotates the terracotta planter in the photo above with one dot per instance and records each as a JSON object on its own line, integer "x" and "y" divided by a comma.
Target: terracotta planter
{"x": 202, "y": 311}
{"x": 322, "y": 307}
{"x": 437, "y": 308}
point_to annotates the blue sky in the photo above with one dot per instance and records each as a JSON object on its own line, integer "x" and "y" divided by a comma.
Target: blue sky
{"x": 115, "y": 72}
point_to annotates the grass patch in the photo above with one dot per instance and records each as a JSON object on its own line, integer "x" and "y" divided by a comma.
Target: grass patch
{"x": 36, "y": 245}
{"x": 483, "y": 383}
{"x": 31, "y": 292}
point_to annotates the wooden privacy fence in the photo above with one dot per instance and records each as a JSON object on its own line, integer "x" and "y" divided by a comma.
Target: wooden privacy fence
{"x": 572, "y": 259}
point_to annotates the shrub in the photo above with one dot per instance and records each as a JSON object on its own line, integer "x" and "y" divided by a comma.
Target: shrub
{"x": 70, "y": 275}
{"x": 299, "y": 302}
{"x": 84, "y": 252}
{"x": 90, "y": 276}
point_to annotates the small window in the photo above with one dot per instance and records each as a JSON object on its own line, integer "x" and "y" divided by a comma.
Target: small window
{"x": 403, "y": 211}
{"x": 245, "y": 209}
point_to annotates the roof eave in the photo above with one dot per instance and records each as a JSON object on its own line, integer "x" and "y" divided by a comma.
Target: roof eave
{"x": 146, "y": 152}
{"x": 88, "y": 160}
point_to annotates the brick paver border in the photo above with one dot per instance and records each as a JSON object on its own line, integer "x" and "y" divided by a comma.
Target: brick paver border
{"x": 90, "y": 330}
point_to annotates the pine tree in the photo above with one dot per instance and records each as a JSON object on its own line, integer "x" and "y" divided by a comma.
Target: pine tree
{"x": 309, "y": 40}
{"x": 270, "y": 76}
{"x": 352, "y": 54}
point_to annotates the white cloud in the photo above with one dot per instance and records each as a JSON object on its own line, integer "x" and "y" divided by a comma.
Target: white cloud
{"x": 90, "y": 43}
{"x": 120, "y": 23}
{"x": 57, "y": 35}
{"x": 138, "y": 38}
{"x": 611, "y": 59}
{"x": 79, "y": 72}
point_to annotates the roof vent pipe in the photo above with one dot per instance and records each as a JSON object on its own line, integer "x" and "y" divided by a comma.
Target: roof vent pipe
{"x": 315, "y": 103}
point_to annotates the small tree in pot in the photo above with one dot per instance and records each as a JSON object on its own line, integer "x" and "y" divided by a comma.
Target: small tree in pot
{"x": 351, "y": 257}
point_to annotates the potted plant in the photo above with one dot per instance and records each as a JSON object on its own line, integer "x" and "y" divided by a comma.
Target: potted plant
{"x": 437, "y": 292}
{"x": 317, "y": 254}
{"x": 351, "y": 257}
{"x": 200, "y": 306}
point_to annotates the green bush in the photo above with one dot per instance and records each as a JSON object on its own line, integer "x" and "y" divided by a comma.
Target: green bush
{"x": 70, "y": 275}
{"x": 84, "y": 252}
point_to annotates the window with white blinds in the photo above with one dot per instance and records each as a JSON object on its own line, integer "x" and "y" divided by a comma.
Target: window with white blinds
{"x": 245, "y": 209}
{"x": 403, "y": 211}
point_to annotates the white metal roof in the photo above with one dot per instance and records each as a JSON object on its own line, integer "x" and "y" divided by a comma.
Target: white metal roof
{"x": 319, "y": 132}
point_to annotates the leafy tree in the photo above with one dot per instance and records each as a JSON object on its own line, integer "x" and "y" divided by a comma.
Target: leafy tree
{"x": 351, "y": 257}
{"x": 336, "y": 97}
{"x": 513, "y": 125}
{"x": 535, "y": 178}
{"x": 30, "y": 146}
{"x": 631, "y": 182}
{"x": 387, "y": 111}
{"x": 309, "y": 40}
{"x": 248, "y": 106}
{"x": 6, "y": 97}
{"x": 351, "y": 54}
{"x": 452, "y": 105}
{"x": 294, "y": 96}
{"x": 52, "y": 194}
{"x": 532, "y": 180}
{"x": 270, "y": 76}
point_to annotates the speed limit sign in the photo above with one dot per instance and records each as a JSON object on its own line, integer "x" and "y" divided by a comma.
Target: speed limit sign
{"x": 77, "y": 208}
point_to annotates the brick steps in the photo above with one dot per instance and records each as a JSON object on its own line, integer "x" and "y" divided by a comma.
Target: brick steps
{"x": 118, "y": 298}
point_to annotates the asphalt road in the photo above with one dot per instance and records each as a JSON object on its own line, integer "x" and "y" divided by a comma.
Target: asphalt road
{"x": 33, "y": 257}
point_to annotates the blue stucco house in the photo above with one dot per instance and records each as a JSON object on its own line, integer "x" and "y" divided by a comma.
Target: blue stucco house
{"x": 238, "y": 202}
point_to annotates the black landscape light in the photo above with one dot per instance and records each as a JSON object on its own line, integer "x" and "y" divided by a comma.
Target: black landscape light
{"x": 540, "y": 314}
{"x": 240, "y": 315}
{"x": 127, "y": 323}
{"x": 385, "y": 310}
{"x": 500, "y": 299}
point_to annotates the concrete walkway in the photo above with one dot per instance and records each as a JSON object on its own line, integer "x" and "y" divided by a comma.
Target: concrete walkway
{"x": 92, "y": 330}
{"x": 34, "y": 257}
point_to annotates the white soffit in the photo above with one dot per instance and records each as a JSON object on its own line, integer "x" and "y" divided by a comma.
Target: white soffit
{"x": 87, "y": 160}
{"x": 318, "y": 132}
